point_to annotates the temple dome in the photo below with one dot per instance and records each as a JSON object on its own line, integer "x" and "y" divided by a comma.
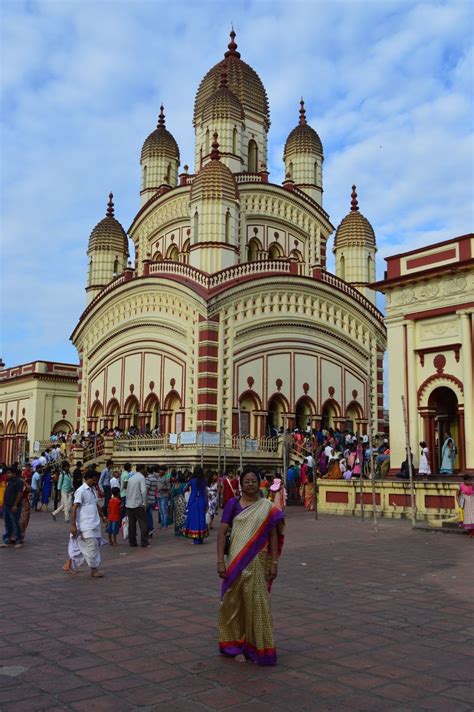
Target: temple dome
{"x": 109, "y": 234}
{"x": 223, "y": 104}
{"x": 303, "y": 138}
{"x": 354, "y": 228}
{"x": 214, "y": 181}
{"x": 243, "y": 81}
{"x": 160, "y": 143}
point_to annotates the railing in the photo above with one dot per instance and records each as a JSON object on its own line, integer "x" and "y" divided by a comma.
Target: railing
{"x": 93, "y": 449}
{"x": 191, "y": 440}
{"x": 334, "y": 281}
{"x": 211, "y": 281}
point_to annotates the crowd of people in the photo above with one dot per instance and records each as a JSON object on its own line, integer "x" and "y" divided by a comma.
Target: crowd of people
{"x": 132, "y": 502}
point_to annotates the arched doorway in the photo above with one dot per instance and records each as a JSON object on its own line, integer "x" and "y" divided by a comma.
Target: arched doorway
{"x": 132, "y": 409}
{"x": 275, "y": 251}
{"x": 152, "y": 409}
{"x": 329, "y": 413}
{"x": 62, "y": 426}
{"x": 253, "y": 249}
{"x": 443, "y": 403}
{"x": 172, "y": 414}
{"x": 303, "y": 411}
{"x": 248, "y": 420}
{"x": 277, "y": 407}
{"x": 353, "y": 416}
{"x": 113, "y": 413}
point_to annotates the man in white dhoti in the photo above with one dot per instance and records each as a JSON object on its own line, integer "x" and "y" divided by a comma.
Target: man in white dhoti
{"x": 86, "y": 535}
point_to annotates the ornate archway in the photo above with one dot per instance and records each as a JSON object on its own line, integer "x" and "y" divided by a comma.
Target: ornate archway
{"x": 172, "y": 414}
{"x": 277, "y": 407}
{"x": 330, "y": 413}
{"x": 305, "y": 411}
{"x": 354, "y": 414}
{"x": 63, "y": 426}
{"x": 152, "y": 411}
{"x": 441, "y": 406}
{"x": 250, "y": 415}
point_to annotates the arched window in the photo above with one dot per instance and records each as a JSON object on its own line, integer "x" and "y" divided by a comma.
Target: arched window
{"x": 200, "y": 157}
{"x": 315, "y": 174}
{"x": 227, "y": 226}
{"x": 89, "y": 278}
{"x": 196, "y": 227}
{"x": 297, "y": 255}
{"x": 185, "y": 253}
{"x": 144, "y": 176}
{"x": 290, "y": 171}
{"x": 234, "y": 141}
{"x": 172, "y": 253}
{"x": 116, "y": 265}
{"x": 168, "y": 174}
{"x": 207, "y": 142}
{"x": 342, "y": 269}
{"x": 369, "y": 269}
{"x": 275, "y": 251}
{"x": 253, "y": 249}
{"x": 157, "y": 257}
{"x": 252, "y": 156}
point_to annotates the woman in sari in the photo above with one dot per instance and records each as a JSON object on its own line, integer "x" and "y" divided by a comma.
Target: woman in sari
{"x": 307, "y": 493}
{"x": 448, "y": 455}
{"x": 178, "y": 504}
{"x": 245, "y": 620}
{"x": 47, "y": 488}
{"x": 195, "y": 527}
{"x": 465, "y": 497}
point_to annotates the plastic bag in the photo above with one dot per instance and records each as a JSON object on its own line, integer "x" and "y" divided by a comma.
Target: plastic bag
{"x": 124, "y": 528}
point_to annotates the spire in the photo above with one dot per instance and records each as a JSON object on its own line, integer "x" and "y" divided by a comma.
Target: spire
{"x": 302, "y": 112}
{"x": 161, "y": 118}
{"x": 354, "y": 201}
{"x": 232, "y": 51}
{"x": 215, "y": 153}
{"x": 110, "y": 206}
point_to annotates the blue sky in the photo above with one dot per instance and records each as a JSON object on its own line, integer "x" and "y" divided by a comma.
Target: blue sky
{"x": 387, "y": 85}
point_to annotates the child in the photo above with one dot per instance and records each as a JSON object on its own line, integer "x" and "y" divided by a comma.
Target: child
{"x": 113, "y": 516}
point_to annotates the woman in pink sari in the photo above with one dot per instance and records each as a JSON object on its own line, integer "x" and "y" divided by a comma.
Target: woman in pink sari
{"x": 465, "y": 498}
{"x": 245, "y": 620}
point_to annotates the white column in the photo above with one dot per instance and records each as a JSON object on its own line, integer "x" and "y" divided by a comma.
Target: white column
{"x": 412, "y": 388}
{"x": 466, "y": 356}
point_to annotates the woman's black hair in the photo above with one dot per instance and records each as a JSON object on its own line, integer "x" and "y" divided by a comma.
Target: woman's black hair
{"x": 198, "y": 472}
{"x": 250, "y": 468}
{"x": 181, "y": 477}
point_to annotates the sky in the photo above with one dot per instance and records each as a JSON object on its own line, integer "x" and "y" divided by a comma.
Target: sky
{"x": 387, "y": 86}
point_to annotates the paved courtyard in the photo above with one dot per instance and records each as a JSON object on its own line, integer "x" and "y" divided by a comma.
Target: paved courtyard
{"x": 363, "y": 622}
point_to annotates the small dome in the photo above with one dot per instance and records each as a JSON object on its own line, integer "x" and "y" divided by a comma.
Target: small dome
{"x": 108, "y": 234}
{"x": 214, "y": 181}
{"x": 243, "y": 81}
{"x": 354, "y": 229}
{"x": 223, "y": 104}
{"x": 160, "y": 143}
{"x": 303, "y": 138}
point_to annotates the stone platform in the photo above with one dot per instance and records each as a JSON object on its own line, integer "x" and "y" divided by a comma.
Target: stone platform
{"x": 363, "y": 621}
{"x": 435, "y": 501}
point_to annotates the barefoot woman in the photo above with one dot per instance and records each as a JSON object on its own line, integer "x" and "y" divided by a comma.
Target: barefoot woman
{"x": 245, "y": 620}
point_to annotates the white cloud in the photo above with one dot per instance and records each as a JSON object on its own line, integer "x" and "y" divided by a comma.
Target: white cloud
{"x": 387, "y": 86}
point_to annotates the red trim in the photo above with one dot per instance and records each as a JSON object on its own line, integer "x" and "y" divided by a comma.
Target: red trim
{"x": 461, "y": 238}
{"x": 439, "y": 501}
{"x": 438, "y": 349}
{"x": 399, "y": 500}
{"x": 367, "y": 498}
{"x": 337, "y": 497}
{"x": 431, "y": 259}
{"x": 432, "y": 313}
{"x": 451, "y": 267}
{"x": 437, "y": 377}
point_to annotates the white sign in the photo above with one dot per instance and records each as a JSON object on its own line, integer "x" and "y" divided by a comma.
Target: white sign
{"x": 36, "y": 446}
{"x": 188, "y": 437}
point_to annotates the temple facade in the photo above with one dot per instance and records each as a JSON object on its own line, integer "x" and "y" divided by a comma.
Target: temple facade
{"x": 228, "y": 307}
{"x": 430, "y": 302}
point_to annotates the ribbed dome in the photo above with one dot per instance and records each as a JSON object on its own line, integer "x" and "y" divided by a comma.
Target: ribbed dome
{"x": 160, "y": 143}
{"x": 243, "y": 81}
{"x": 354, "y": 229}
{"x": 214, "y": 181}
{"x": 223, "y": 104}
{"x": 303, "y": 138}
{"x": 108, "y": 234}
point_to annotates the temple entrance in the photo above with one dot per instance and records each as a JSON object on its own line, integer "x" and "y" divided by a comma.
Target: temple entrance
{"x": 444, "y": 403}
{"x": 276, "y": 411}
{"x": 303, "y": 414}
{"x": 328, "y": 415}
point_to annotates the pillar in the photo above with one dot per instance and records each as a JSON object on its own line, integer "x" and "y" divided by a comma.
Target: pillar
{"x": 467, "y": 373}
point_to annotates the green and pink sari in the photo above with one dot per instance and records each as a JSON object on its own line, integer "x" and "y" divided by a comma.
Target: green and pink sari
{"x": 245, "y": 619}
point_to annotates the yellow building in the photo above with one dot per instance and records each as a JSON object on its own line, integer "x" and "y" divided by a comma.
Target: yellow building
{"x": 430, "y": 303}
{"x": 36, "y": 399}
{"x": 229, "y": 304}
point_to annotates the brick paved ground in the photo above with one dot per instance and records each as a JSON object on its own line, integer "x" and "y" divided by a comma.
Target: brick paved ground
{"x": 363, "y": 622}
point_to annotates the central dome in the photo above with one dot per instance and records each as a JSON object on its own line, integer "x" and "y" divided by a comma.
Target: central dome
{"x": 242, "y": 80}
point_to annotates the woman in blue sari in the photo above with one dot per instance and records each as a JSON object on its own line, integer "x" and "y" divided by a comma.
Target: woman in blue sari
{"x": 47, "y": 488}
{"x": 448, "y": 455}
{"x": 195, "y": 527}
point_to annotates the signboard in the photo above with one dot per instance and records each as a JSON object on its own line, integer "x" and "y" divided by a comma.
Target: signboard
{"x": 251, "y": 445}
{"x": 188, "y": 437}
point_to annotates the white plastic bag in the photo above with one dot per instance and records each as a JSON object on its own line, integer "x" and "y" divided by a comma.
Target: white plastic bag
{"x": 124, "y": 528}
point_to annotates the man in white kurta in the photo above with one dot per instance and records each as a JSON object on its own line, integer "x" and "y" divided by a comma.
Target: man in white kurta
{"x": 85, "y": 526}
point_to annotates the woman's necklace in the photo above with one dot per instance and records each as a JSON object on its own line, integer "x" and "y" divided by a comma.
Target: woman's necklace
{"x": 246, "y": 502}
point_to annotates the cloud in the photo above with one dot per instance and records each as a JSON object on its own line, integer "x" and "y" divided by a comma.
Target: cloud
{"x": 387, "y": 86}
